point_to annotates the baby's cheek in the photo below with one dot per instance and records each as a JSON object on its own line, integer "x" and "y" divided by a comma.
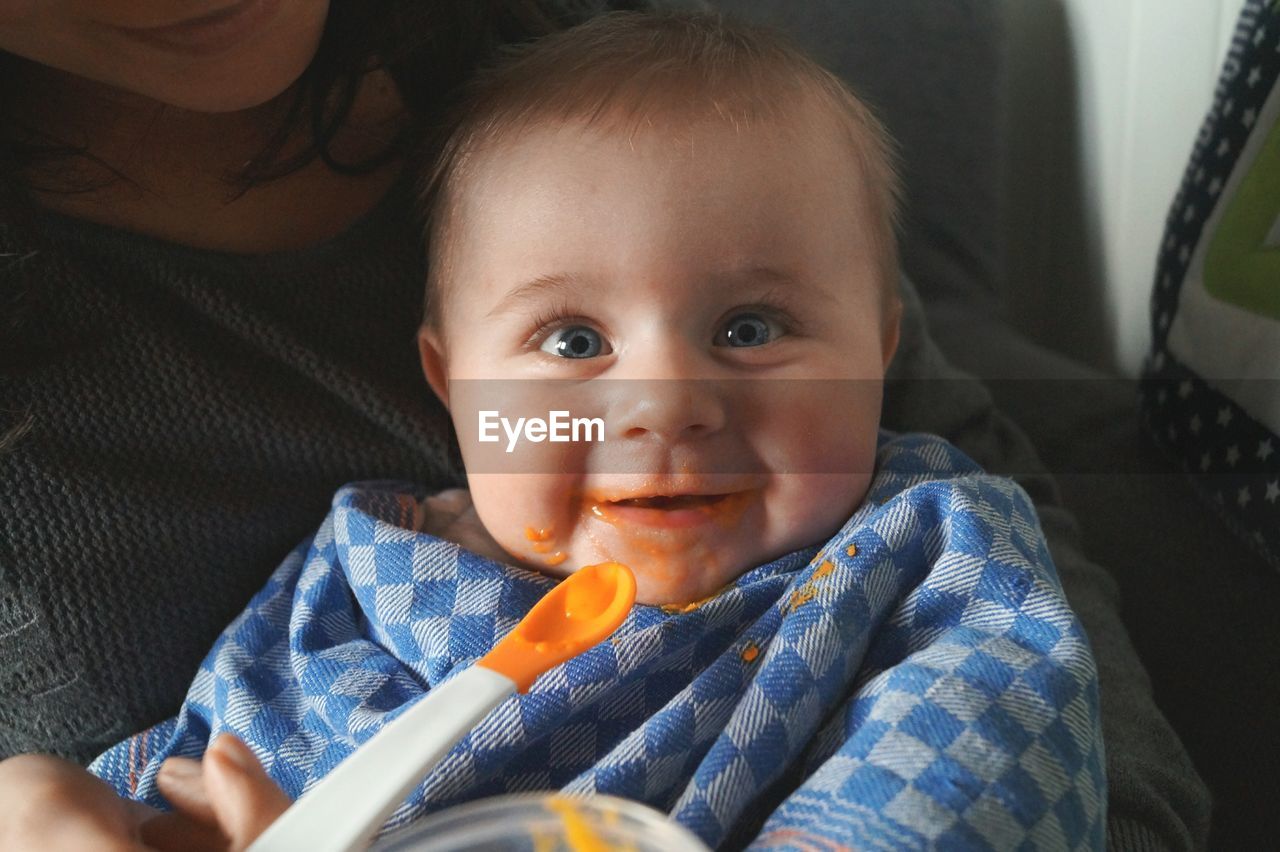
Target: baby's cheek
{"x": 529, "y": 515}
{"x": 809, "y": 508}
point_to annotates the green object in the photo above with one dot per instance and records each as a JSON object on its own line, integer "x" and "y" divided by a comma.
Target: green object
{"x": 1239, "y": 267}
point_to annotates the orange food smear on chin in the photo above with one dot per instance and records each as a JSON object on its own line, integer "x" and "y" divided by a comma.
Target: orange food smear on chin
{"x": 666, "y": 559}
{"x": 537, "y": 533}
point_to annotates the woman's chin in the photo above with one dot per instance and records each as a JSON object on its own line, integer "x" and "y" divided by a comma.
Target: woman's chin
{"x": 220, "y": 90}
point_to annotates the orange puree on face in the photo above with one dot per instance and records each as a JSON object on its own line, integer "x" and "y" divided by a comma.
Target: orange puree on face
{"x": 537, "y": 533}
{"x": 543, "y": 542}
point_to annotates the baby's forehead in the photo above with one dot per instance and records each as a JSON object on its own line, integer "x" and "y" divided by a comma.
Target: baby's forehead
{"x": 763, "y": 166}
{"x": 804, "y": 141}
{"x": 668, "y": 93}
{"x": 801, "y": 116}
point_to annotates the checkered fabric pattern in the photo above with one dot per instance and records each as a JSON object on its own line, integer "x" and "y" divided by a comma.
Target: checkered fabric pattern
{"x": 916, "y": 682}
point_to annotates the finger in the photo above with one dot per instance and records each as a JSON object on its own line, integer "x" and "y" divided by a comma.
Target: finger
{"x": 47, "y": 803}
{"x": 181, "y": 781}
{"x": 176, "y": 832}
{"x": 244, "y": 798}
{"x": 75, "y": 831}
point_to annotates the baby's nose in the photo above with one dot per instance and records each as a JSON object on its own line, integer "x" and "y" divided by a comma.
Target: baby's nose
{"x": 670, "y": 410}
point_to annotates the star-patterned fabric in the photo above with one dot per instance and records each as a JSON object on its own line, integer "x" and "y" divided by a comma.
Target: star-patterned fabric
{"x": 1211, "y": 389}
{"x": 917, "y": 681}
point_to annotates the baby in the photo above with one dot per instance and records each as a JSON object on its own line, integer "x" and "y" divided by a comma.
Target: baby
{"x": 693, "y": 248}
{"x": 678, "y": 234}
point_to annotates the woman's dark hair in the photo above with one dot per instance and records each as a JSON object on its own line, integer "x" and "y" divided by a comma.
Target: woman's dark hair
{"x": 429, "y": 47}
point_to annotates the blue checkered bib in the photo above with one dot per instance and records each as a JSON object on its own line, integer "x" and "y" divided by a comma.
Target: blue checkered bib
{"x": 916, "y": 681}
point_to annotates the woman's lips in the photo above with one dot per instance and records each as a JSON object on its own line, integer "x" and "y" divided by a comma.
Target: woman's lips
{"x": 213, "y": 33}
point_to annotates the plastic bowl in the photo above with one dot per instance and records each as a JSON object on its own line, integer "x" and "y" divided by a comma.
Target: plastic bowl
{"x": 544, "y": 822}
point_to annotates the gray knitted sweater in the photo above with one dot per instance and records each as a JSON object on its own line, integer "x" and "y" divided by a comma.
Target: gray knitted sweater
{"x": 192, "y": 417}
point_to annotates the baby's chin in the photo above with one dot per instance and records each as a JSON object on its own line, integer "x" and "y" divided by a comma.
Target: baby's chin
{"x": 687, "y": 596}
{"x": 676, "y": 582}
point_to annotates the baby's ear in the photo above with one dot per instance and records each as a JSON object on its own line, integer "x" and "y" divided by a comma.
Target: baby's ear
{"x": 431, "y": 353}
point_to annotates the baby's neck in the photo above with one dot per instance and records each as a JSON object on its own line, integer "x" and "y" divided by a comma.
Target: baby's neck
{"x": 451, "y": 515}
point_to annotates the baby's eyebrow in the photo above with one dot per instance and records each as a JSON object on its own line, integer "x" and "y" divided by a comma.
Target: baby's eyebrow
{"x": 562, "y": 285}
{"x": 754, "y": 274}
{"x": 771, "y": 281}
{"x": 537, "y": 290}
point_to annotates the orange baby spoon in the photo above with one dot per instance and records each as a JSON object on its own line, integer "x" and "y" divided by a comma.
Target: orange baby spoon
{"x": 345, "y": 810}
{"x": 576, "y": 615}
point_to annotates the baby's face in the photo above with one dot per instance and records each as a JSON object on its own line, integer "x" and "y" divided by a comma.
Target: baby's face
{"x": 713, "y": 300}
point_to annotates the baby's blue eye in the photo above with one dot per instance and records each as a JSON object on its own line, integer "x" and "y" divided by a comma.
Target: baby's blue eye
{"x": 747, "y": 330}
{"x": 576, "y": 341}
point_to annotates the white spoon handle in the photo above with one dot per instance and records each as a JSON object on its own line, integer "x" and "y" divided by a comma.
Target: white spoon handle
{"x": 344, "y": 811}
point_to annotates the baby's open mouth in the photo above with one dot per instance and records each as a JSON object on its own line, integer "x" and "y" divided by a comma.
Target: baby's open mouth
{"x": 673, "y": 511}
{"x": 671, "y": 503}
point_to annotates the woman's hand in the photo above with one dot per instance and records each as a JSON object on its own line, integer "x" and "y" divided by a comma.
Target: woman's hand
{"x": 50, "y": 803}
{"x": 220, "y": 803}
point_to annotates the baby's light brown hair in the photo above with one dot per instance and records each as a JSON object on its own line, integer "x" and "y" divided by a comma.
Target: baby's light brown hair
{"x": 627, "y": 71}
